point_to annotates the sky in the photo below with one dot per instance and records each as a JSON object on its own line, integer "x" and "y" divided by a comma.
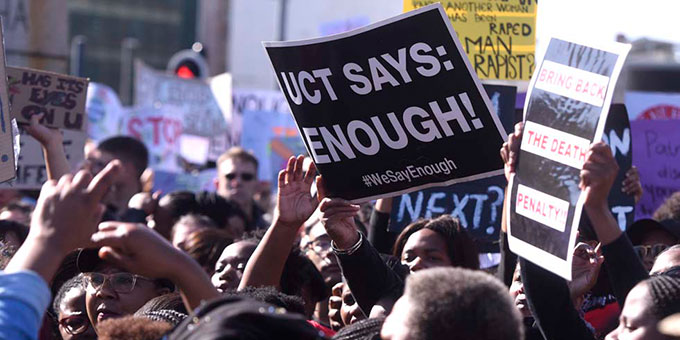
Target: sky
{"x": 604, "y": 19}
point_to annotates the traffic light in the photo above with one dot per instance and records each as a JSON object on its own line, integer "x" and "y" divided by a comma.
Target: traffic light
{"x": 189, "y": 63}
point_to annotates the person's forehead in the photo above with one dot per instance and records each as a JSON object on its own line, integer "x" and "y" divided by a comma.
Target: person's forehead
{"x": 425, "y": 239}
{"x": 318, "y": 231}
{"x": 241, "y": 249}
{"x": 637, "y": 302}
{"x": 100, "y": 155}
{"x": 74, "y": 300}
{"x": 666, "y": 260}
{"x": 106, "y": 268}
{"x": 231, "y": 165}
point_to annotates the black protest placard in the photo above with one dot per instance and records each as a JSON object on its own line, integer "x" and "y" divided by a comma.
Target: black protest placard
{"x": 60, "y": 97}
{"x": 391, "y": 107}
{"x": 617, "y": 135}
{"x": 565, "y": 112}
{"x": 476, "y": 204}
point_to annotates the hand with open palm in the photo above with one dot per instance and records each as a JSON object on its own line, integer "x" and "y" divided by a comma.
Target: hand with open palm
{"x": 294, "y": 203}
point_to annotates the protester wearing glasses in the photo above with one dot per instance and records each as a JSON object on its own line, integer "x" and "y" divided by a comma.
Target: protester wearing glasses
{"x": 112, "y": 292}
{"x": 650, "y": 238}
{"x": 237, "y": 180}
{"x": 70, "y": 311}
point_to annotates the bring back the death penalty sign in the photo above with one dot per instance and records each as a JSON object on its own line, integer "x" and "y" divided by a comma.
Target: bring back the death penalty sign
{"x": 390, "y": 108}
{"x": 566, "y": 111}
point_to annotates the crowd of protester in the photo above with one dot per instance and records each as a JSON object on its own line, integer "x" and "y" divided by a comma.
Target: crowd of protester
{"x": 101, "y": 256}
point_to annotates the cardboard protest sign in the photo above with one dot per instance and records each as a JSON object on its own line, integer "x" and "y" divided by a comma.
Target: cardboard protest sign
{"x": 498, "y": 36}
{"x": 31, "y": 172}
{"x": 104, "y": 112}
{"x": 7, "y": 161}
{"x": 195, "y": 182}
{"x": 656, "y": 146}
{"x": 652, "y": 105}
{"x": 566, "y": 111}
{"x": 475, "y": 204}
{"x": 160, "y": 129}
{"x": 265, "y": 116}
{"x": 617, "y": 136}
{"x": 60, "y": 97}
{"x": 390, "y": 108}
{"x": 193, "y": 99}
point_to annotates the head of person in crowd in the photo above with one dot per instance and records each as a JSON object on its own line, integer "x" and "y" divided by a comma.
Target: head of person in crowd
{"x": 668, "y": 259}
{"x": 439, "y": 303}
{"x": 132, "y": 327}
{"x": 168, "y": 308}
{"x": 366, "y": 329}
{"x": 17, "y": 211}
{"x": 646, "y": 304}
{"x": 186, "y": 225}
{"x": 669, "y": 209}
{"x": 270, "y": 295}
{"x": 13, "y": 233}
{"x": 517, "y": 293}
{"x": 169, "y": 210}
{"x": 233, "y": 317}
{"x": 437, "y": 242}
{"x": 237, "y": 179}
{"x": 231, "y": 263}
{"x": 301, "y": 278}
{"x": 69, "y": 311}
{"x": 650, "y": 238}
{"x": 316, "y": 244}
{"x": 134, "y": 158}
{"x": 112, "y": 292}
{"x": 224, "y": 212}
{"x": 350, "y": 312}
{"x": 206, "y": 246}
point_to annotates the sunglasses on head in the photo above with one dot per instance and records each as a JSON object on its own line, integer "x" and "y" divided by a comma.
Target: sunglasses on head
{"x": 244, "y": 176}
{"x": 653, "y": 251}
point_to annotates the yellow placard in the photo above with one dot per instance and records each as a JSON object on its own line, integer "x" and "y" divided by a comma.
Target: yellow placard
{"x": 499, "y": 36}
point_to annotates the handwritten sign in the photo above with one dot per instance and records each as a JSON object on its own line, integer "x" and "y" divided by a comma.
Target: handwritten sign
{"x": 160, "y": 128}
{"x": 7, "y": 161}
{"x": 104, "y": 112}
{"x": 31, "y": 171}
{"x": 60, "y": 97}
{"x": 656, "y": 148}
{"x": 192, "y": 99}
{"x": 617, "y": 136}
{"x": 499, "y": 37}
{"x": 265, "y": 116}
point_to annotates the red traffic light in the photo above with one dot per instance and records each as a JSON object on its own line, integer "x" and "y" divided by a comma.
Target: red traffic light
{"x": 185, "y": 72}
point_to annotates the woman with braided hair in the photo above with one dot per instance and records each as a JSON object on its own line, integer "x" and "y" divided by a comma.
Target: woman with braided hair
{"x": 648, "y": 303}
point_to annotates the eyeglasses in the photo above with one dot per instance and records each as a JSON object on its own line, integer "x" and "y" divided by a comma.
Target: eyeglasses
{"x": 652, "y": 251}
{"x": 244, "y": 176}
{"x": 75, "y": 324}
{"x": 321, "y": 247}
{"x": 120, "y": 282}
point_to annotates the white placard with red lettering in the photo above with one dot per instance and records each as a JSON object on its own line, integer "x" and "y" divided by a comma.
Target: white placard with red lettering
{"x": 566, "y": 110}
{"x": 160, "y": 129}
